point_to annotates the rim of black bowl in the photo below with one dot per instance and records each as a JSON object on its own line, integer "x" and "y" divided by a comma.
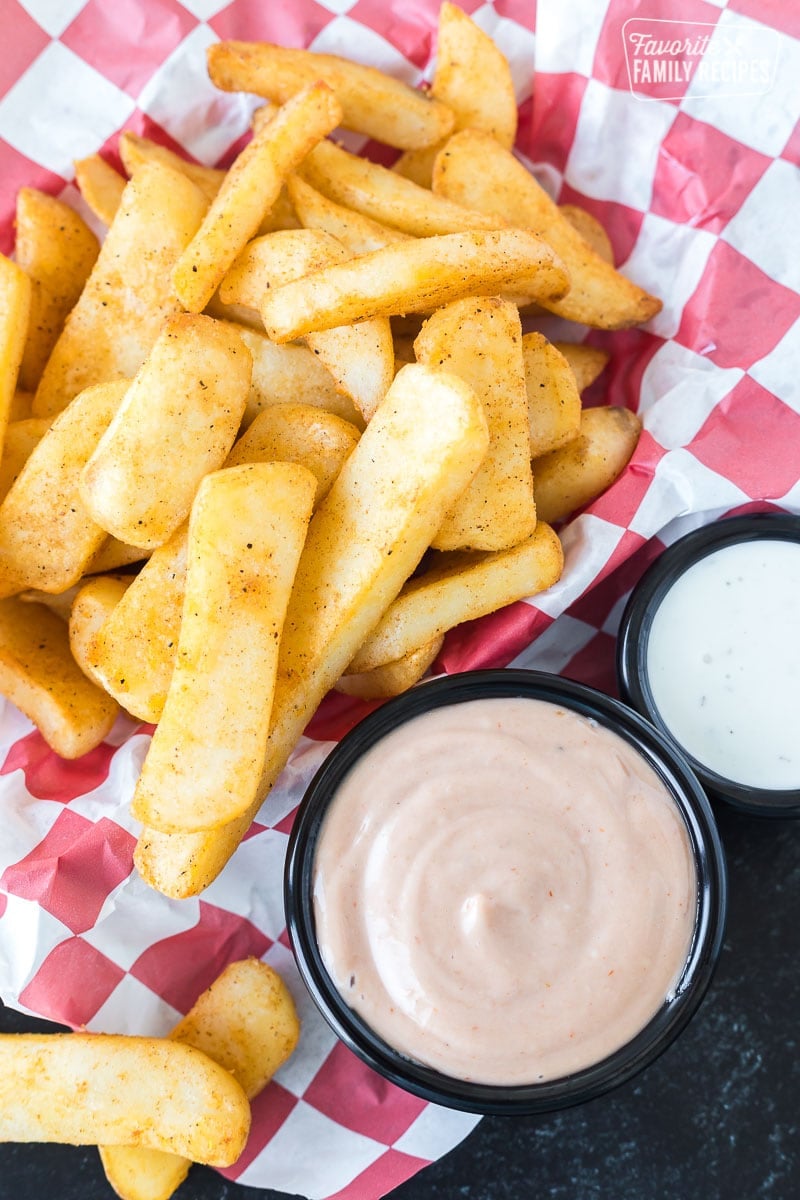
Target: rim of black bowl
{"x": 634, "y": 634}
{"x": 665, "y": 1025}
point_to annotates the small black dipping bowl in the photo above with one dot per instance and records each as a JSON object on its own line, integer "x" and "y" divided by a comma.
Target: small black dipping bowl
{"x": 659, "y": 1032}
{"x": 634, "y": 631}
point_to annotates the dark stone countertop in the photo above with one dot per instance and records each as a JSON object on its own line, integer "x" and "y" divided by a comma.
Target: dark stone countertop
{"x": 716, "y": 1118}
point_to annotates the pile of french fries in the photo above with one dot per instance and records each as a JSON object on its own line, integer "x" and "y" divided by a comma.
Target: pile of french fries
{"x": 283, "y": 430}
{"x": 153, "y": 1106}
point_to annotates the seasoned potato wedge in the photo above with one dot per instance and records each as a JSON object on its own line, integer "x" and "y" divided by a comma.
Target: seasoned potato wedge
{"x": 372, "y": 102}
{"x": 56, "y": 248}
{"x": 415, "y": 276}
{"x": 577, "y": 473}
{"x": 40, "y": 676}
{"x": 392, "y": 678}
{"x": 101, "y": 186}
{"x": 480, "y": 340}
{"x": 475, "y": 170}
{"x": 460, "y": 587}
{"x": 554, "y": 401}
{"x": 133, "y": 1091}
{"x": 128, "y": 295}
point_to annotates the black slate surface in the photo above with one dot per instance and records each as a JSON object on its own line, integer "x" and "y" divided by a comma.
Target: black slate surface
{"x": 716, "y": 1118}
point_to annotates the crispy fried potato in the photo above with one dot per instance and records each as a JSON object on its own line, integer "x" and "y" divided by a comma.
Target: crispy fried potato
{"x": 473, "y": 78}
{"x": 246, "y": 1022}
{"x": 590, "y": 230}
{"x": 20, "y": 440}
{"x": 372, "y": 102}
{"x": 413, "y": 276}
{"x": 475, "y": 170}
{"x": 89, "y": 1088}
{"x": 246, "y": 533}
{"x": 56, "y": 248}
{"x": 385, "y": 196}
{"x": 586, "y": 362}
{"x": 40, "y": 676}
{"x": 93, "y": 604}
{"x": 101, "y": 186}
{"x": 20, "y": 407}
{"x": 577, "y": 473}
{"x": 250, "y": 189}
{"x": 364, "y": 541}
{"x": 15, "y": 308}
{"x": 554, "y": 402}
{"x": 480, "y": 340}
{"x": 392, "y": 678}
{"x": 358, "y": 233}
{"x": 291, "y": 373}
{"x": 359, "y": 357}
{"x": 134, "y": 653}
{"x": 189, "y": 395}
{"x": 128, "y": 296}
{"x": 298, "y": 433}
{"x": 47, "y": 535}
{"x": 461, "y": 587}
{"x": 135, "y": 151}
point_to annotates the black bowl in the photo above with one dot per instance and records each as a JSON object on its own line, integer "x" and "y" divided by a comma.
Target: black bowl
{"x": 659, "y": 1032}
{"x": 634, "y": 632}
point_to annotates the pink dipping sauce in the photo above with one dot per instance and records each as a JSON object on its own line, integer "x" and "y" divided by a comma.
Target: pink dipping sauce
{"x": 504, "y": 890}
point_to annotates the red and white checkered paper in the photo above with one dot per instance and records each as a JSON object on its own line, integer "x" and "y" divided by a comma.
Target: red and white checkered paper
{"x": 699, "y": 191}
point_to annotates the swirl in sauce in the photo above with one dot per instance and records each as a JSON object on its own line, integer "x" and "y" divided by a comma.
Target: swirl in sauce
{"x": 504, "y": 890}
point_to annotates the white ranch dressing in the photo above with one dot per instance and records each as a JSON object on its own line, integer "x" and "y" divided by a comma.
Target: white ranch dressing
{"x": 504, "y": 890}
{"x": 723, "y": 661}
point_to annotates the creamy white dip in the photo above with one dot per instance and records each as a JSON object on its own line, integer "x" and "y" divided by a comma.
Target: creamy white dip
{"x": 723, "y": 661}
{"x": 504, "y": 890}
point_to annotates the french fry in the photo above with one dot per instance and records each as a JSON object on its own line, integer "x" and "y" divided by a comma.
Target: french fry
{"x": 246, "y": 533}
{"x": 480, "y": 340}
{"x": 298, "y": 433}
{"x": 190, "y": 394}
{"x": 385, "y": 196}
{"x": 246, "y": 1022}
{"x": 47, "y": 535}
{"x": 101, "y": 186}
{"x": 21, "y": 438}
{"x": 57, "y": 250}
{"x": 392, "y": 678}
{"x": 363, "y": 543}
{"x": 40, "y": 676}
{"x": 590, "y": 230}
{"x": 128, "y": 295}
{"x": 93, "y": 604}
{"x": 15, "y": 308}
{"x": 134, "y": 652}
{"x": 358, "y": 233}
{"x": 475, "y": 170}
{"x": 372, "y": 102}
{"x": 135, "y": 151}
{"x": 577, "y": 473}
{"x": 250, "y": 189}
{"x": 586, "y": 362}
{"x": 359, "y": 357}
{"x": 132, "y": 1091}
{"x": 473, "y": 78}
{"x": 461, "y": 587}
{"x": 281, "y": 373}
{"x": 413, "y": 276}
{"x": 554, "y": 402}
